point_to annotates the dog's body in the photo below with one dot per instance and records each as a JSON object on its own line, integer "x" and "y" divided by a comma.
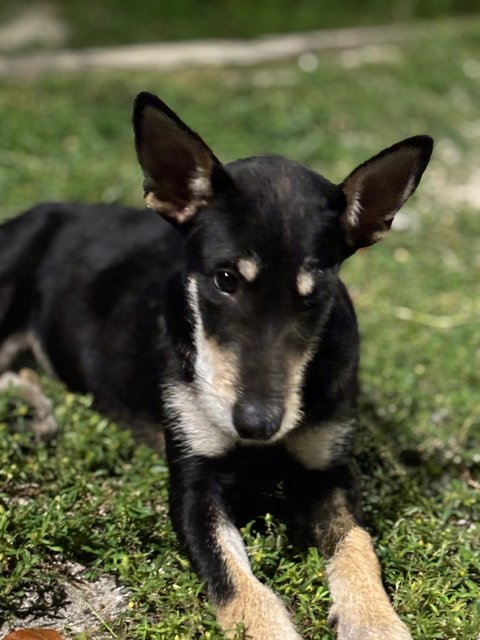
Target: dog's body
{"x": 235, "y": 334}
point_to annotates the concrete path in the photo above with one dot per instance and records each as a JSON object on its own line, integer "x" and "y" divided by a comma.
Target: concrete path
{"x": 168, "y": 56}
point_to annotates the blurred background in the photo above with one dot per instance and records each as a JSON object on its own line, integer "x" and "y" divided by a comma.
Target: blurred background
{"x": 84, "y": 23}
{"x": 378, "y": 72}
{"x": 353, "y": 75}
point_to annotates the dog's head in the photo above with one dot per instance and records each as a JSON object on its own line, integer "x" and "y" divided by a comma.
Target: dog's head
{"x": 265, "y": 238}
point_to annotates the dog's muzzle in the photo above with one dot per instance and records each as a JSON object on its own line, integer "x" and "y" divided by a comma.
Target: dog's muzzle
{"x": 254, "y": 420}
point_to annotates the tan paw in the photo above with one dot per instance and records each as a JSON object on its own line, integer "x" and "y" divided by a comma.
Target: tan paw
{"x": 27, "y": 385}
{"x": 351, "y": 627}
{"x": 261, "y": 613}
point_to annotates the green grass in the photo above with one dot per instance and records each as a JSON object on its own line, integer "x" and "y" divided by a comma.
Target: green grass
{"x": 112, "y": 22}
{"x": 93, "y": 496}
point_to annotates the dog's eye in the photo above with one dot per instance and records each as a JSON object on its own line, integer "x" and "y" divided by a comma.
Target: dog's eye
{"x": 226, "y": 281}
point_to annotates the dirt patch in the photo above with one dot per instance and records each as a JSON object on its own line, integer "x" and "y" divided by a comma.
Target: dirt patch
{"x": 86, "y": 607}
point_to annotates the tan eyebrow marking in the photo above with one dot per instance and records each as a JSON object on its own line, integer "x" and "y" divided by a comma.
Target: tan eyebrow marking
{"x": 248, "y": 268}
{"x": 305, "y": 282}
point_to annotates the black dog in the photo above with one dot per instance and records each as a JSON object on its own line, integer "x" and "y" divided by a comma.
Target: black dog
{"x": 234, "y": 333}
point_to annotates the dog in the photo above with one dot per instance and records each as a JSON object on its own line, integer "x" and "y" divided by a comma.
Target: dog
{"x": 227, "y": 326}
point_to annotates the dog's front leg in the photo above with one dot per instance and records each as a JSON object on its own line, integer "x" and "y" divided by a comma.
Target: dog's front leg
{"x": 328, "y": 507}
{"x": 216, "y": 550}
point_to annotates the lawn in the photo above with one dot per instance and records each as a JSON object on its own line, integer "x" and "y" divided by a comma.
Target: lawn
{"x": 94, "y": 496}
{"x": 113, "y": 22}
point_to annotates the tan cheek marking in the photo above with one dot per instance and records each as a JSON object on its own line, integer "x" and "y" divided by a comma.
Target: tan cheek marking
{"x": 216, "y": 371}
{"x": 220, "y": 368}
{"x": 215, "y": 367}
{"x": 248, "y": 268}
{"x": 305, "y": 282}
{"x": 293, "y": 396}
{"x": 254, "y": 605}
{"x": 361, "y": 608}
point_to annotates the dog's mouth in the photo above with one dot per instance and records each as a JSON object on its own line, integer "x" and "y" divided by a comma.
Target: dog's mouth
{"x": 255, "y": 420}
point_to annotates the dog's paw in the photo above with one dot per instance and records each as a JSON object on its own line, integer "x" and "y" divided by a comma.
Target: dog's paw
{"x": 259, "y": 612}
{"x": 361, "y": 609}
{"x": 373, "y": 633}
{"x": 26, "y": 384}
{"x": 351, "y": 627}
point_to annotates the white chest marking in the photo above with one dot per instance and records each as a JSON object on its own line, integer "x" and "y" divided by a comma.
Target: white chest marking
{"x": 317, "y": 446}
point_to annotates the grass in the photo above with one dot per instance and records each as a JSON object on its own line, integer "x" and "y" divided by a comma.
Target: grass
{"x": 92, "y": 495}
{"x": 110, "y": 21}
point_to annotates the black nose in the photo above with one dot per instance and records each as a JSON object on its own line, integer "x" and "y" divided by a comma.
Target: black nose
{"x": 254, "y": 420}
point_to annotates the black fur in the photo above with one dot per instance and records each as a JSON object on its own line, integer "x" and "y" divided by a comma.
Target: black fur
{"x": 127, "y": 308}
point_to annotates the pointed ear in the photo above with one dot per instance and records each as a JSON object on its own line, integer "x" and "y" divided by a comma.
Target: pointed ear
{"x": 377, "y": 189}
{"x": 177, "y": 165}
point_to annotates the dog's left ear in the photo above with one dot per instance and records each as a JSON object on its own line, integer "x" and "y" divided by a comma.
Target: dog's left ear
{"x": 377, "y": 189}
{"x": 177, "y": 164}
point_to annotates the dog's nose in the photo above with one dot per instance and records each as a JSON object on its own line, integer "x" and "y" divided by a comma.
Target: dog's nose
{"x": 257, "y": 421}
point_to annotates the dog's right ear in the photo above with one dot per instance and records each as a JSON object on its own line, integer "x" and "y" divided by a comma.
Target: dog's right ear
{"x": 377, "y": 189}
{"x": 177, "y": 165}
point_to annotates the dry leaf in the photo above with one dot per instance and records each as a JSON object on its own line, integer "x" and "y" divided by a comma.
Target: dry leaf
{"x": 34, "y": 634}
